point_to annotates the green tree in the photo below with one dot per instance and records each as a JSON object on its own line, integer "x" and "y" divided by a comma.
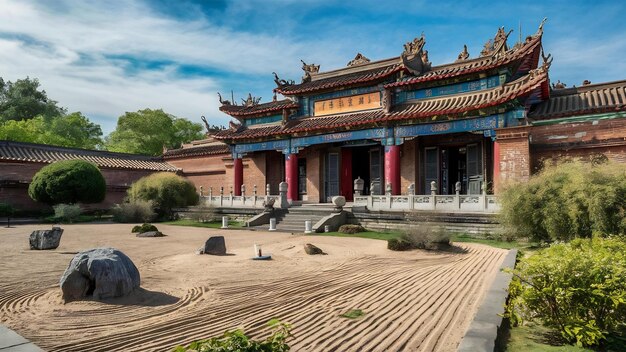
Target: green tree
{"x": 147, "y": 131}
{"x": 166, "y": 190}
{"x": 22, "y": 99}
{"x": 73, "y": 130}
{"x": 68, "y": 181}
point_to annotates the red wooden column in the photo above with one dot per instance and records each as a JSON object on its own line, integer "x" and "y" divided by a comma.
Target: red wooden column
{"x": 392, "y": 168}
{"x": 238, "y": 174}
{"x": 347, "y": 189}
{"x": 496, "y": 166}
{"x": 291, "y": 176}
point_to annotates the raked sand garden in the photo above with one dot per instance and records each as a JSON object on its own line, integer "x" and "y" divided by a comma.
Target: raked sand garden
{"x": 411, "y": 301}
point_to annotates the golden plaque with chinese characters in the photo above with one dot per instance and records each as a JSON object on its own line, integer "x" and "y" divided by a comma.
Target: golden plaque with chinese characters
{"x": 347, "y": 104}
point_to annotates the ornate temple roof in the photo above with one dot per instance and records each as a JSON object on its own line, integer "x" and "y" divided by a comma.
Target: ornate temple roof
{"x": 256, "y": 108}
{"x": 425, "y": 108}
{"x": 208, "y": 146}
{"x": 588, "y": 99}
{"x": 41, "y": 153}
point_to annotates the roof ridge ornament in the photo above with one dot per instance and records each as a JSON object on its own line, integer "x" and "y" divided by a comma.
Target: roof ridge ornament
{"x": 251, "y": 101}
{"x": 540, "y": 29}
{"x": 464, "y": 55}
{"x": 359, "y": 59}
{"x": 224, "y": 101}
{"x": 308, "y": 70}
{"x": 280, "y": 83}
{"x": 414, "y": 58}
{"x": 497, "y": 46}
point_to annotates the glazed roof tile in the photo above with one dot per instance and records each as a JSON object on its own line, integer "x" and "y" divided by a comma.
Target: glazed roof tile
{"x": 426, "y": 108}
{"x": 590, "y": 99}
{"x": 41, "y": 153}
{"x": 343, "y": 80}
{"x": 200, "y": 150}
{"x": 240, "y": 110}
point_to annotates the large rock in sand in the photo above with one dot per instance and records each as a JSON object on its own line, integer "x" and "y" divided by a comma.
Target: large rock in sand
{"x": 99, "y": 273}
{"x": 150, "y": 234}
{"x": 46, "y": 239}
{"x": 312, "y": 250}
{"x": 215, "y": 245}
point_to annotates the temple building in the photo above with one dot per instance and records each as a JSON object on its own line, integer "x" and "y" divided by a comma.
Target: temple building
{"x": 406, "y": 125}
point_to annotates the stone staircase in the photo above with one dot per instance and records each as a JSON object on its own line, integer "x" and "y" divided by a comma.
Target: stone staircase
{"x": 292, "y": 220}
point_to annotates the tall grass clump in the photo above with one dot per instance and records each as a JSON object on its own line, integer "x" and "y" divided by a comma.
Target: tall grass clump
{"x": 166, "y": 191}
{"x": 135, "y": 211}
{"x": 567, "y": 200}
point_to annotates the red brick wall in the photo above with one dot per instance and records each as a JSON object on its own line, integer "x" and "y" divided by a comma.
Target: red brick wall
{"x": 514, "y": 160}
{"x": 206, "y": 171}
{"x": 408, "y": 165}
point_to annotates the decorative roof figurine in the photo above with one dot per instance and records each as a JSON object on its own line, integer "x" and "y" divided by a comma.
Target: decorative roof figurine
{"x": 586, "y": 82}
{"x": 223, "y": 101}
{"x": 281, "y": 82}
{"x": 359, "y": 59}
{"x": 463, "y": 55}
{"x": 496, "y": 47}
{"x": 559, "y": 85}
{"x": 414, "y": 58}
{"x": 308, "y": 69}
{"x": 251, "y": 101}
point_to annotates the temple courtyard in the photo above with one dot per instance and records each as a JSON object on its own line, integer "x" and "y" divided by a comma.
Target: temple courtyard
{"x": 412, "y": 301}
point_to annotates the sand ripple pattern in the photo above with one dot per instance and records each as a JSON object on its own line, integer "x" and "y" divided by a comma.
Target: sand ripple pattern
{"x": 409, "y": 305}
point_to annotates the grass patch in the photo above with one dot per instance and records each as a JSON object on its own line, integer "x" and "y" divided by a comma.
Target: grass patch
{"x": 80, "y": 219}
{"x": 536, "y": 338}
{"x": 353, "y": 314}
{"x": 374, "y": 235}
{"x": 493, "y": 243}
{"x": 210, "y": 225}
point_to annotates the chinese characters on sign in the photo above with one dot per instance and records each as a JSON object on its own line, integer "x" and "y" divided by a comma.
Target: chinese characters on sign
{"x": 347, "y": 104}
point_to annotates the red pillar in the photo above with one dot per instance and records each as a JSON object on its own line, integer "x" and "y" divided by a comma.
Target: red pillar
{"x": 392, "y": 168}
{"x": 238, "y": 171}
{"x": 347, "y": 188}
{"x": 496, "y": 166}
{"x": 291, "y": 176}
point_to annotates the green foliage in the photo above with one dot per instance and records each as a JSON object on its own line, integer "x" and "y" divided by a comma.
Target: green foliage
{"x": 147, "y": 131}
{"x": 66, "y": 212}
{"x": 353, "y": 314}
{"x": 22, "y": 100}
{"x": 166, "y": 190}
{"x": 238, "y": 341}
{"x": 68, "y": 181}
{"x": 73, "y": 130}
{"x": 427, "y": 237}
{"x": 135, "y": 211}
{"x": 203, "y": 213}
{"x": 577, "y": 289}
{"x": 6, "y": 210}
{"x": 144, "y": 228}
{"x": 566, "y": 201}
{"x": 350, "y": 229}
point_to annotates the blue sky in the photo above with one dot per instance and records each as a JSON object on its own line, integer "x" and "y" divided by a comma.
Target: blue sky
{"x": 107, "y": 57}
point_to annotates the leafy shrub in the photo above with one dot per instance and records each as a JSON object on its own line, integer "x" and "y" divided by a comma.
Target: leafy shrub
{"x": 567, "y": 200}
{"x": 578, "y": 289}
{"x": 166, "y": 190}
{"x": 66, "y": 212}
{"x": 144, "y": 228}
{"x": 399, "y": 244}
{"x": 68, "y": 181}
{"x": 137, "y": 211}
{"x": 238, "y": 341}
{"x": 6, "y": 210}
{"x": 204, "y": 213}
{"x": 427, "y": 237}
{"x": 350, "y": 229}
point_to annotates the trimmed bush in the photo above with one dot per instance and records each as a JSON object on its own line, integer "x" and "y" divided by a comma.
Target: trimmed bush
{"x": 577, "y": 289}
{"x": 166, "y": 190}
{"x": 66, "y": 212}
{"x": 7, "y": 210}
{"x": 137, "y": 211}
{"x": 399, "y": 244}
{"x": 144, "y": 228}
{"x": 350, "y": 229}
{"x": 567, "y": 200}
{"x": 68, "y": 181}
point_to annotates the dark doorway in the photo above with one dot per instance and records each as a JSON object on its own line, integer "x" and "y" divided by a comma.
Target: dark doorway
{"x": 360, "y": 167}
{"x": 331, "y": 176}
{"x": 301, "y": 177}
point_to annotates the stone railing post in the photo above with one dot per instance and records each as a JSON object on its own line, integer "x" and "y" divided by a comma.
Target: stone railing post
{"x": 282, "y": 190}
{"x": 358, "y": 186}
{"x": 457, "y": 192}
{"x": 483, "y": 198}
{"x": 433, "y": 194}
{"x": 411, "y": 193}
{"x": 221, "y": 196}
{"x": 201, "y": 191}
{"x": 254, "y": 194}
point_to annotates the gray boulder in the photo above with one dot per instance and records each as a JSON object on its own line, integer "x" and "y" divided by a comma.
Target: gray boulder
{"x": 215, "y": 245}
{"x": 46, "y": 239}
{"x": 312, "y": 250}
{"x": 150, "y": 234}
{"x": 99, "y": 273}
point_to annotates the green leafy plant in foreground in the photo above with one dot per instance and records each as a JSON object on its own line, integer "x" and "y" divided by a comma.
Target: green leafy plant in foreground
{"x": 577, "y": 289}
{"x": 238, "y": 341}
{"x": 353, "y": 314}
